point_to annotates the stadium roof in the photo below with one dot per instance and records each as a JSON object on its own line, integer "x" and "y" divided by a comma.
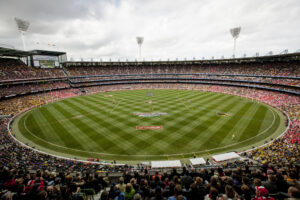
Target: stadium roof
{"x": 48, "y": 53}
{"x": 260, "y": 59}
{"x": 10, "y": 52}
{"x": 13, "y": 52}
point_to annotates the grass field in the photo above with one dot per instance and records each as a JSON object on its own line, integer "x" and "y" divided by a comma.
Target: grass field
{"x": 104, "y": 125}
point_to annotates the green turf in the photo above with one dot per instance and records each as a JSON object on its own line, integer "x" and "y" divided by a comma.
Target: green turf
{"x": 104, "y": 125}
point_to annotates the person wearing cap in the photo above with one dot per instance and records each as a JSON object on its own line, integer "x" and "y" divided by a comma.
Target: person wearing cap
{"x": 262, "y": 194}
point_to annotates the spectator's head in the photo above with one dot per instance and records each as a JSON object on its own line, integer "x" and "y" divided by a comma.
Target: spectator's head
{"x": 180, "y": 197}
{"x": 229, "y": 191}
{"x": 104, "y": 195}
{"x": 213, "y": 193}
{"x": 214, "y": 180}
{"x": 128, "y": 187}
{"x": 121, "y": 180}
{"x": 261, "y": 191}
{"x": 257, "y": 182}
{"x": 133, "y": 181}
{"x": 245, "y": 190}
{"x": 137, "y": 196}
{"x": 199, "y": 180}
{"x": 245, "y": 180}
{"x": 41, "y": 195}
{"x": 229, "y": 181}
{"x": 272, "y": 178}
{"x": 178, "y": 190}
{"x": 294, "y": 192}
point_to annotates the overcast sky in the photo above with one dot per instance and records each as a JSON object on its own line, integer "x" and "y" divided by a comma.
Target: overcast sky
{"x": 171, "y": 28}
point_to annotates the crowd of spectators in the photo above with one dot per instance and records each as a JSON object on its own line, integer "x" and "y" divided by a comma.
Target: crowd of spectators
{"x": 265, "y": 182}
{"x": 28, "y": 174}
{"x": 13, "y": 69}
{"x": 274, "y": 69}
{"x": 32, "y": 87}
{"x": 280, "y": 152}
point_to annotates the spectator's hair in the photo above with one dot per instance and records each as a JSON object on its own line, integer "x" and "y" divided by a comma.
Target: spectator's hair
{"x": 137, "y": 196}
{"x": 245, "y": 180}
{"x": 257, "y": 182}
{"x": 229, "y": 191}
{"x": 178, "y": 189}
{"x": 214, "y": 181}
{"x": 121, "y": 180}
{"x": 213, "y": 193}
{"x": 128, "y": 187}
{"x": 199, "y": 180}
{"x": 180, "y": 197}
{"x": 272, "y": 178}
{"x": 294, "y": 192}
{"x": 41, "y": 195}
{"x": 104, "y": 195}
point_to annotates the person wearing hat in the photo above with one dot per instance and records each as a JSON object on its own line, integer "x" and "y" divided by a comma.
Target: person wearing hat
{"x": 262, "y": 194}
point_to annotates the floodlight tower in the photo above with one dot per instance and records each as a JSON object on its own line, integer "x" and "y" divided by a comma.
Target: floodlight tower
{"x": 140, "y": 41}
{"x": 235, "y": 32}
{"x": 22, "y": 27}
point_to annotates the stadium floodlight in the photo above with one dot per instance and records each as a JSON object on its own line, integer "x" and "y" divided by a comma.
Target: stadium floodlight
{"x": 284, "y": 51}
{"x": 140, "y": 41}
{"x": 22, "y": 27}
{"x": 235, "y": 32}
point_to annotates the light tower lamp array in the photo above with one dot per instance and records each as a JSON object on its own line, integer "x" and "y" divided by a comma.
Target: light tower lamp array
{"x": 235, "y": 32}
{"x": 22, "y": 26}
{"x": 140, "y": 41}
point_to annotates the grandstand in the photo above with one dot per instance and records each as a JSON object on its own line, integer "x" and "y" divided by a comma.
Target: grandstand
{"x": 34, "y": 79}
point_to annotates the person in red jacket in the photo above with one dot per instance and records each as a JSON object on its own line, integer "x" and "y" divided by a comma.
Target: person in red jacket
{"x": 262, "y": 194}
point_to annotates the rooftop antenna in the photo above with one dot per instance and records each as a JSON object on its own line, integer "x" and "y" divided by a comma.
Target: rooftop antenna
{"x": 235, "y": 32}
{"x": 270, "y": 53}
{"x": 22, "y": 27}
{"x": 140, "y": 41}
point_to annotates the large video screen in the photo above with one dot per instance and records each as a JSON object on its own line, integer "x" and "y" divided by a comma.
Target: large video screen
{"x": 45, "y": 61}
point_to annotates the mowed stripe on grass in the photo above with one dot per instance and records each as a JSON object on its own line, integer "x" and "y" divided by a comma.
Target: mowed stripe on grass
{"x": 105, "y": 124}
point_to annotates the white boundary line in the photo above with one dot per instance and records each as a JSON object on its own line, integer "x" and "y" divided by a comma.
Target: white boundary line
{"x": 8, "y": 126}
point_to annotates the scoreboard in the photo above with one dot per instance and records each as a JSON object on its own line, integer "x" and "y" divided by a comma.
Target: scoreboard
{"x": 43, "y": 61}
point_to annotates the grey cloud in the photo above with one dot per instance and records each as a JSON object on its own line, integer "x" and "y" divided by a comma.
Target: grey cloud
{"x": 172, "y": 28}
